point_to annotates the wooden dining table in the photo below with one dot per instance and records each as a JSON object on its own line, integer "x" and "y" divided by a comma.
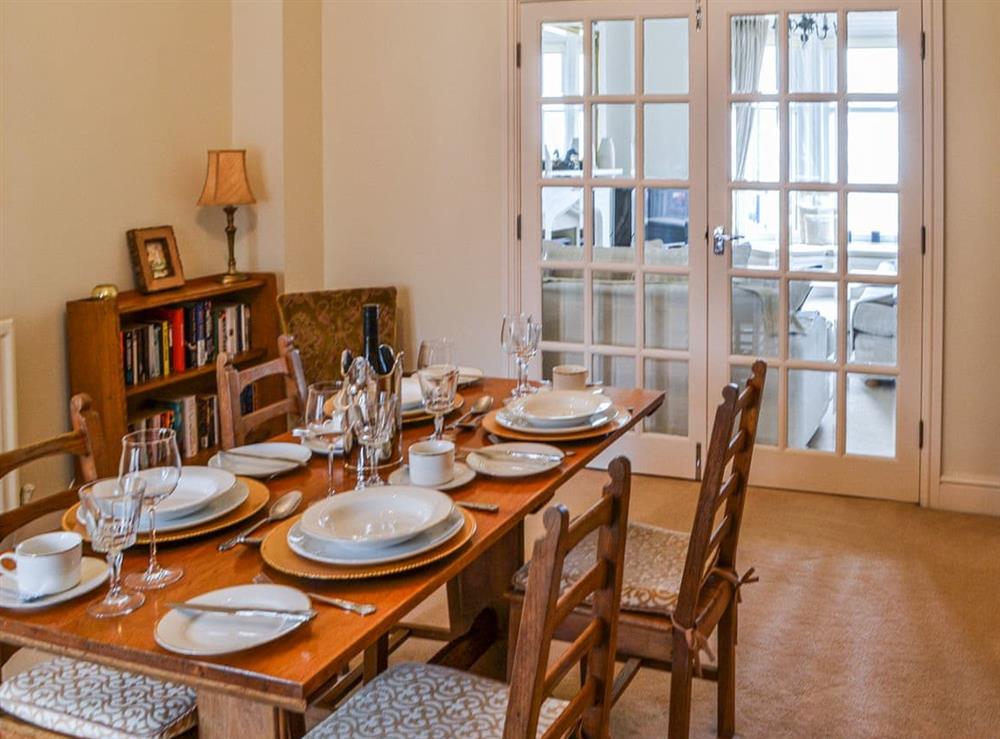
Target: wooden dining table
{"x": 264, "y": 691}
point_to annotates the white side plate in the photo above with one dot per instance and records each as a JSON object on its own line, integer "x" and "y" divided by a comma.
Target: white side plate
{"x": 266, "y": 465}
{"x": 205, "y": 634}
{"x": 514, "y": 467}
{"x": 461, "y": 474}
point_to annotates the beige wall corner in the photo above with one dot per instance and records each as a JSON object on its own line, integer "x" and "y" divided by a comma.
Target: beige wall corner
{"x": 108, "y": 109}
{"x": 970, "y": 458}
{"x": 415, "y": 135}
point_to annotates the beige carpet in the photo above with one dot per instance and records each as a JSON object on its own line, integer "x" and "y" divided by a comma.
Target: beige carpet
{"x": 871, "y": 619}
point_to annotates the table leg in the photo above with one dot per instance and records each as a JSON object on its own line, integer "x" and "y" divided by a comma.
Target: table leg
{"x": 222, "y": 716}
{"x": 481, "y": 586}
{"x": 376, "y": 658}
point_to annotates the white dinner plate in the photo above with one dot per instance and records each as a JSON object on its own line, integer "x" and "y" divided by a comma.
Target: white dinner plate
{"x": 560, "y": 408}
{"x": 197, "y": 487}
{"x": 377, "y": 517}
{"x": 332, "y": 554}
{"x": 420, "y": 411}
{"x": 225, "y": 503}
{"x": 469, "y": 375}
{"x": 266, "y": 465}
{"x": 517, "y": 423}
{"x": 411, "y": 396}
{"x": 206, "y": 634}
{"x": 514, "y": 467}
{"x": 93, "y": 572}
{"x": 460, "y": 475}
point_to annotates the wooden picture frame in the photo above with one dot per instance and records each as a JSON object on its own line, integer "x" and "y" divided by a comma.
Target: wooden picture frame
{"x": 155, "y": 259}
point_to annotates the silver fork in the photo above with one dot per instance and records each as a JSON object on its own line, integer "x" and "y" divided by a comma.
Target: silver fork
{"x": 362, "y": 609}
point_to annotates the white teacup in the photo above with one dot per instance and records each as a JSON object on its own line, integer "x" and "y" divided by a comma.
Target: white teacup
{"x": 569, "y": 377}
{"x": 432, "y": 462}
{"x": 45, "y": 564}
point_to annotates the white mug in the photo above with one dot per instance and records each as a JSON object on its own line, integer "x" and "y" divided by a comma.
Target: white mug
{"x": 45, "y": 564}
{"x": 432, "y": 462}
{"x": 569, "y": 377}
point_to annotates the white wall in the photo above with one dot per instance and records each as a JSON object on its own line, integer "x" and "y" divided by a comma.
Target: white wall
{"x": 414, "y": 115}
{"x": 108, "y": 109}
{"x": 970, "y": 450}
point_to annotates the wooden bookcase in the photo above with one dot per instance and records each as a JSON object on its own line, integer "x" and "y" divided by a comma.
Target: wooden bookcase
{"x": 96, "y": 364}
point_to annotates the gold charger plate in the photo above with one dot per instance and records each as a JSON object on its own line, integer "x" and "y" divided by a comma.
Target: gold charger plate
{"x": 258, "y": 499}
{"x": 491, "y": 425}
{"x": 425, "y": 416}
{"x": 274, "y": 550}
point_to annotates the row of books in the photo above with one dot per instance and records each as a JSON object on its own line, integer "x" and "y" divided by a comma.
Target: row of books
{"x": 183, "y": 337}
{"x": 194, "y": 418}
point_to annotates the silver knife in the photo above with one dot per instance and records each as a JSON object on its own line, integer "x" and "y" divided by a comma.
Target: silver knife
{"x": 306, "y": 615}
{"x": 516, "y": 454}
{"x": 263, "y": 458}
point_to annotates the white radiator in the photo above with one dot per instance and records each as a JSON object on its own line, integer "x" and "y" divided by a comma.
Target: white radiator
{"x": 8, "y": 412}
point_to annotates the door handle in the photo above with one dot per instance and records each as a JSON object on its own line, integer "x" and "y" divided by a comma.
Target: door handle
{"x": 719, "y": 239}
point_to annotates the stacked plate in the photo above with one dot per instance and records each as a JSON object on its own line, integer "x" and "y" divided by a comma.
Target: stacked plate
{"x": 202, "y": 495}
{"x": 369, "y": 527}
{"x": 558, "y": 413}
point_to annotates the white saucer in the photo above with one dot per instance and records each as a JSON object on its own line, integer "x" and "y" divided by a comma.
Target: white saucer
{"x": 318, "y": 446}
{"x": 93, "y": 572}
{"x": 206, "y": 634}
{"x": 469, "y": 375}
{"x": 460, "y": 475}
{"x": 332, "y": 554}
{"x": 225, "y": 503}
{"x": 266, "y": 465}
{"x": 513, "y": 468}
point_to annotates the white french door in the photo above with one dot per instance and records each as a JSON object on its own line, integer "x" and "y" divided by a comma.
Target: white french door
{"x": 792, "y": 133}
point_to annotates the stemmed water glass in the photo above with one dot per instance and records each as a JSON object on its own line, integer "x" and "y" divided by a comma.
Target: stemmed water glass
{"x": 153, "y": 456}
{"x": 325, "y": 420}
{"x": 519, "y": 335}
{"x": 438, "y": 377}
{"x": 111, "y": 514}
{"x": 373, "y": 417}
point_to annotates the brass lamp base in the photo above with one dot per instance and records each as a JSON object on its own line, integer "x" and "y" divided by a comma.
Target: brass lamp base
{"x": 231, "y": 276}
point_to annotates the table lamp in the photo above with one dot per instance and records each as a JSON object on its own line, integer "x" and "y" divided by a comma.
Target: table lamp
{"x": 226, "y": 185}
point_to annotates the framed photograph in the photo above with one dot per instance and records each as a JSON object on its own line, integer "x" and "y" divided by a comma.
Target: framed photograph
{"x": 155, "y": 259}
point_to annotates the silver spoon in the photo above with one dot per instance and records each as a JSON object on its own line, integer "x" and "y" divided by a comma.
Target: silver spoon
{"x": 283, "y": 507}
{"x": 481, "y": 406}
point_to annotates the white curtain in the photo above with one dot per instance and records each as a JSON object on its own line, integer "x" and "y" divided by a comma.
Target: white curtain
{"x": 749, "y": 43}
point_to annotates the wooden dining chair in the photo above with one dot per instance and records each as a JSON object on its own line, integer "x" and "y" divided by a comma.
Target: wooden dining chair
{"x": 67, "y": 697}
{"x": 85, "y": 442}
{"x": 680, "y": 587}
{"x": 325, "y": 322}
{"x": 421, "y": 700}
{"x": 234, "y": 424}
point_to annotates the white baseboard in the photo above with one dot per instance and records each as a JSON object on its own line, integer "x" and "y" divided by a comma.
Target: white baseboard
{"x": 969, "y": 495}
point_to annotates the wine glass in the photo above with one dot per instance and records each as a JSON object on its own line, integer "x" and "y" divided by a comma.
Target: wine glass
{"x": 438, "y": 377}
{"x": 373, "y": 417}
{"x": 152, "y": 455}
{"x": 111, "y": 515}
{"x": 519, "y": 335}
{"x": 325, "y": 420}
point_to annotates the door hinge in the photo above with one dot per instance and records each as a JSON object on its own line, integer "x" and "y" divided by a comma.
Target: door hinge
{"x": 923, "y": 239}
{"x": 920, "y": 435}
{"x": 517, "y": 226}
{"x": 697, "y": 461}
{"x": 697, "y": 16}
{"x": 923, "y": 45}
{"x": 517, "y": 55}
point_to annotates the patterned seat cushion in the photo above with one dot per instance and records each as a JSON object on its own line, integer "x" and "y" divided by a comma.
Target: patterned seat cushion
{"x": 325, "y": 322}
{"x": 412, "y": 700}
{"x": 87, "y": 700}
{"x": 654, "y": 564}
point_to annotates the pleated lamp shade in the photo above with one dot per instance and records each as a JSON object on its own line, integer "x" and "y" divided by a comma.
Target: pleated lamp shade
{"x": 226, "y": 180}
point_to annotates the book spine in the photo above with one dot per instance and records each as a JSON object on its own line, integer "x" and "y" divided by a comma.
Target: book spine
{"x": 231, "y": 344}
{"x": 127, "y": 357}
{"x": 177, "y": 349}
{"x": 209, "y": 332}
{"x": 189, "y": 410}
{"x": 199, "y": 318}
{"x": 246, "y": 328}
{"x": 167, "y": 339}
{"x": 190, "y": 337}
